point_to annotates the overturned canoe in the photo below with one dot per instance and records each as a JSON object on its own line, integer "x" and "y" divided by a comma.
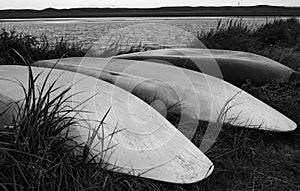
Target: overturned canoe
{"x": 189, "y": 94}
{"x": 236, "y": 67}
{"x": 141, "y": 141}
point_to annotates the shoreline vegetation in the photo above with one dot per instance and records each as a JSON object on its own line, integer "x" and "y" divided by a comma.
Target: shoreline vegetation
{"x": 244, "y": 159}
{"x": 260, "y": 10}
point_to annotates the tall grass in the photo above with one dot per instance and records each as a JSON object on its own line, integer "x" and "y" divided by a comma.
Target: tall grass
{"x": 236, "y": 35}
{"x": 34, "y": 48}
{"x": 38, "y": 151}
{"x": 35, "y": 153}
{"x": 280, "y": 33}
{"x": 278, "y": 40}
{"x": 232, "y": 35}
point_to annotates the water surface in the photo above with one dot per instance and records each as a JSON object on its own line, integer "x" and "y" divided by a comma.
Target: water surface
{"x": 168, "y": 31}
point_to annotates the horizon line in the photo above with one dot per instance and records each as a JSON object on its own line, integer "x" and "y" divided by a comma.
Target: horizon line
{"x": 94, "y": 7}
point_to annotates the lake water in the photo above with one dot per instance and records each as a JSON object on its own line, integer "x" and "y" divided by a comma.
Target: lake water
{"x": 167, "y": 31}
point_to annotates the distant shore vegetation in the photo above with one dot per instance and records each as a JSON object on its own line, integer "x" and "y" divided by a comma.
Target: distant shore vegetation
{"x": 244, "y": 159}
{"x": 186, "y": 11}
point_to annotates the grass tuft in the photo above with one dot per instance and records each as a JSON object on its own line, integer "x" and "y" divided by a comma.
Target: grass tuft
{"x": 38, "y": 151}
{"x": 278, "y": 40}
{"x": 232, "y": 35}
{"x": 34, "y": 48}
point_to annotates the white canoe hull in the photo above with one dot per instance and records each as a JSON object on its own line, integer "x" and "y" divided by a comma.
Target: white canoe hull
{"x": 146, "y": 145}
{"x": 200, "y": 96}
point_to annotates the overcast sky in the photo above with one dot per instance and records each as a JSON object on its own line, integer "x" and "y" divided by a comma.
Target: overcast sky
{"x": 41, "y": 4}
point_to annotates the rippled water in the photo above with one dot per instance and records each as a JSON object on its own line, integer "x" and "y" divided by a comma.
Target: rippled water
{"x": 174, "y": 31}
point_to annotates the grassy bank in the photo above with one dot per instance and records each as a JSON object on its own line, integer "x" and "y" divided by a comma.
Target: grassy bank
{"x": 278, "y": 40}
{"x": 34, "y": 48}
{"x": 244, "y": 159}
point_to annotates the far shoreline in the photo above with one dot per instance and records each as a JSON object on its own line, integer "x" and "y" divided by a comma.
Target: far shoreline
{"x": 228, "y": 11}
